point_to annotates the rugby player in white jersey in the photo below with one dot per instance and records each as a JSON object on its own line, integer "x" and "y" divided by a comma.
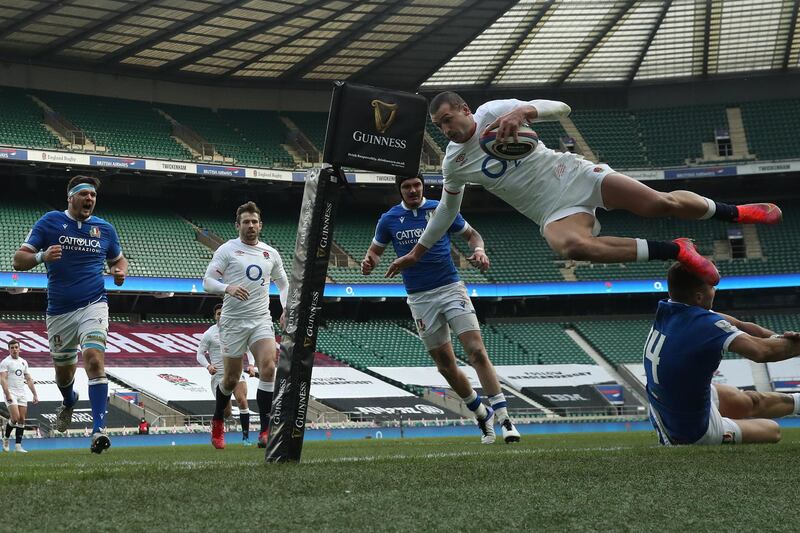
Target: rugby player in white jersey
{"x": 561, "y": 191}
{"x": 241, "y": 269}
{"x": 210, "y": 346}
{"x": 14, "y": 376}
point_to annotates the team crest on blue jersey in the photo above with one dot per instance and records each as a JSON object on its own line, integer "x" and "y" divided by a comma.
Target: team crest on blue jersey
{"x": 94, "y": 231}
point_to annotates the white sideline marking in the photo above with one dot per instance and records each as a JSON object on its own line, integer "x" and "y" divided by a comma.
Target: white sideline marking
{"x": 440, "y": 455}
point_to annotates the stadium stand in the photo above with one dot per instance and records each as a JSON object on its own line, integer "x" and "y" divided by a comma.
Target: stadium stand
{"x": 313, "y": 126}
{"x": 696, "y": 125}
{"x": 263, "y": 129}
{"x": 613, "y": 135}
{"x": 124, "y": 127}
{"x": 542, "y": 343}
{"x": 146, "y": 231}
{"x": 771, "y": 126}
{"x": 16, "y": 220}
{"x": 21, "y": 121}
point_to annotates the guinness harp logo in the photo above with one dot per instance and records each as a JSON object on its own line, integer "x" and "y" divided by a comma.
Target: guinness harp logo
{"x": 384, "y": 115}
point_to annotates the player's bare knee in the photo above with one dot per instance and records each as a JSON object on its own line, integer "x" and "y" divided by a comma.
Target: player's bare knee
{"x": 477, "y": 355}
{"x": 93, "y": 365}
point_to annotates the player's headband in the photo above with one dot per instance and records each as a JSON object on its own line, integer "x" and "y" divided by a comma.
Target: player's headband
{"x": 80, "y": 187}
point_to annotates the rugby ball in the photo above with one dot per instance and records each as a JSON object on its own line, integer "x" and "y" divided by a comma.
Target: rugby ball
{"x": 507, "y": 148}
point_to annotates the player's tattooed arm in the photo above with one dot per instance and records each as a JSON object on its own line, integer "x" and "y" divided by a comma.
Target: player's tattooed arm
{"x": 750, "y": 328}
{"x": 478, "y": 259}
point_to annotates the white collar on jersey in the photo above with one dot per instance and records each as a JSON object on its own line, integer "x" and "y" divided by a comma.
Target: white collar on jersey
{"x": 80, "y": 222}
{"x": 242, "y": 242}
{"x": 402, "y": 203}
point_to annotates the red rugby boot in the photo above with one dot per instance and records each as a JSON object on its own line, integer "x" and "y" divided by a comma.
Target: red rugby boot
{"x": 696, "y": 263}
{"x": 218, "y": 434}
{"x": 759, "y": 214}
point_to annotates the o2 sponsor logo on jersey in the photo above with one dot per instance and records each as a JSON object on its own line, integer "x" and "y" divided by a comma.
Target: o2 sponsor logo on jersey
{"x": 491, "y": 173}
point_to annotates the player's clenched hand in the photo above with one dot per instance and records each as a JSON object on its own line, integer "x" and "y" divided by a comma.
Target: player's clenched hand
{"x": 507, "y": 125}
{"x": 35, "y": 399}
{"x": 368, "y": 264}
{"x": 240, "y": 293}
{"x": 53, "y": 253}
{"x": 282, "y": 320}
{"x": 479, "y": 260}
{"x": 401, "y": 263}
{"x": 211, "y": 369}
{"x": 119, "y": 276}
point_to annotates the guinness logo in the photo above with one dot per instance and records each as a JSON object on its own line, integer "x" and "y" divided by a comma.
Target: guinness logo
{"x": 307, "y": 342}
{"x": 384, "y": 115}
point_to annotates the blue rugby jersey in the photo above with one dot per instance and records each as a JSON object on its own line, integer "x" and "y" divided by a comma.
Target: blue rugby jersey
{"x": 682, "y": 352}
{"x": 403, "y": 227}
{"x": 75, "y": 280}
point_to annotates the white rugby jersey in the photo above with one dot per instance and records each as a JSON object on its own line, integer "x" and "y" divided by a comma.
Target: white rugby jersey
{"x": 16, "y": 368}
{"x": 251, "y": 267}
{"x": 530, "y": 185}
{"x": 210, "y": 344}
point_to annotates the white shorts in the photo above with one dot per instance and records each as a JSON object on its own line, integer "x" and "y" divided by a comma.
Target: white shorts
{"x": 216, "y": 379}
{"x": 436, "y": 310}
{"x": 580, "y": 193}
{"x": 721, "y": 430}
{"x": 78, "y": 330}
{"x": 237, "y": 335}
{"x": 19, "y": 398}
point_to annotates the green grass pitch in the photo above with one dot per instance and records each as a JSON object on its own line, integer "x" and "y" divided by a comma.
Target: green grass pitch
{"x": 570, "y": 482}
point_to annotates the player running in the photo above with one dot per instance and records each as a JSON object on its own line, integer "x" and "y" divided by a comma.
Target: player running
{"x": 245, "y": 267}
{"x": 682, "y": 352}
{"x": 209, "y": 344}
{"x": 73, "y": 245}
{"x": 561, "y": 191}
{"x": 14, "y": 376}
{"x": 439, "y": 301}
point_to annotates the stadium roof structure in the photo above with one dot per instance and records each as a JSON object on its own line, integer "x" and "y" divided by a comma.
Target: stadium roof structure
{"x": 411, "y": 44}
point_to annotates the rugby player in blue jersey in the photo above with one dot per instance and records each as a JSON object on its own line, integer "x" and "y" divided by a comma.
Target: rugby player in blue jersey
{"x": 439, "y": 301}
{"x": 681, "y": 355}
{"x": 73, "y": 245}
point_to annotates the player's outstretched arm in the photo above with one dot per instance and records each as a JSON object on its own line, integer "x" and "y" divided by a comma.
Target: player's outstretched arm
{"x": 750, "y": 328}
{"x": 371, "y": 259}
{"x": 534, "y": 111}
{"x": 437, "y": 226}
{"x": 24, "y": 259}
{"x": 478, "y": 259}
{"x": 769, "y": 350}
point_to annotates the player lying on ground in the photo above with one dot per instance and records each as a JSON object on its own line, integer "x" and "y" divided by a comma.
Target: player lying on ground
{"x": 245, "y": 267}
{"x": 561, "y": 191}
{"x": 73, "y": 245}
{"x": 14, "y": 376}
{"x": 439, "y": 301}
{"x": 682, "y": 352}
{"x": 210, "y": 346}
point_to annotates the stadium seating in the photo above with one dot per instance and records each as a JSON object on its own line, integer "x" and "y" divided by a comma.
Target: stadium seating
{"x": 372, "y": 343}
{"x": 771, "y": 127}
{"x": 16, "y": 220}
{"x": 124, "y": 127}
{"x": 676, "y": 134}
{"x": 542, "y": 343}
{"x": 312, "y": 124}
{"x": 263, "y": 130}
{"x": 613, "y": 135}
{"x": 145, "y": 234}
{"x": 21, "y": 121}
